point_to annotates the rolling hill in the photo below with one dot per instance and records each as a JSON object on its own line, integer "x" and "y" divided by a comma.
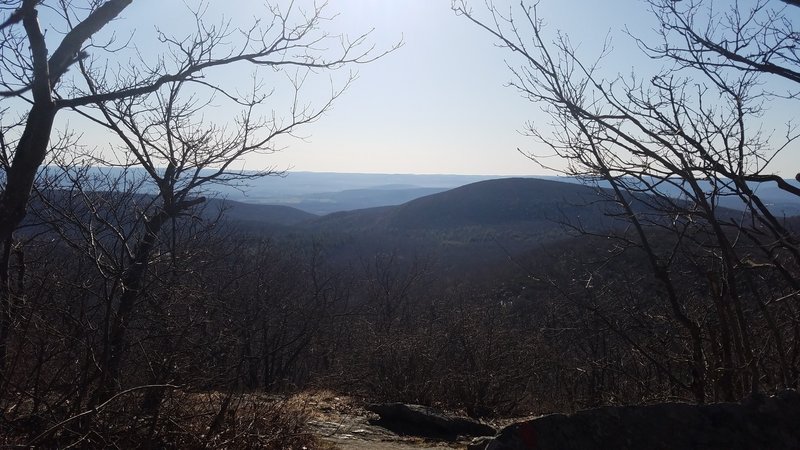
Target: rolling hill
{"x": 466, "y": 227}
{"x": 259, "y": 214}
{"x": 350, "y": 199}
{"x": 524, "y": 203}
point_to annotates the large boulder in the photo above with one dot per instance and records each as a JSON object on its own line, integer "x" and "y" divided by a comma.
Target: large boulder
{"x": 424, "y": 421}
{"x": 759, "y": 423}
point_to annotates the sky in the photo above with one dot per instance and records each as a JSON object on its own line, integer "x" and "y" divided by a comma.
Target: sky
{"x": 438, "y": 104}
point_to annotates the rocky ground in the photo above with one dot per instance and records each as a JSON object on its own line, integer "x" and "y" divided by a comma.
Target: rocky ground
{"x": 761, "y": 421}
{"x": 345, "y": 423}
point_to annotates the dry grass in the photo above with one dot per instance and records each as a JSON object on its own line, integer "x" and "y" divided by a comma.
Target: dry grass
{"x": 322, "y": 403}
{"x": 185, "y": 420}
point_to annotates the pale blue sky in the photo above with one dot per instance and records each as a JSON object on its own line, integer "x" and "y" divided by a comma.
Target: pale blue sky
{"x": 436, "y": 105}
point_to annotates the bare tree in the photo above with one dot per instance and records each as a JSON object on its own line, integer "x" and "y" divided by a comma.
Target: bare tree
{"x": 166, "y": 132}
{"x": 671, "y": 147}
{"x": 107, "y": 91}
{"x": 758, "y": 38}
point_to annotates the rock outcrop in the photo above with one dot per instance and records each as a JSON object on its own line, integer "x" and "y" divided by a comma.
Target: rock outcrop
{"x": 758, "y": 423}
{"x": 423, "y": 421}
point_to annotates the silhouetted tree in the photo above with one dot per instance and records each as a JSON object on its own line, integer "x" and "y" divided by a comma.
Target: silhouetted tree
{"x": 33, "y": 78}
{"x": 133, "y": 290}
{"x": 672, "y": 147}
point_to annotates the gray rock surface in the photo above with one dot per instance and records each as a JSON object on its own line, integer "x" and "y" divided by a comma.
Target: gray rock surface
{"x": 423, "y": 421}
{"x": 759, "y": 423}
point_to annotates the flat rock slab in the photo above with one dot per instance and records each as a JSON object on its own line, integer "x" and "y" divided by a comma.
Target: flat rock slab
{"x": 761, "y": 423}
{"x": 428, "y": 422}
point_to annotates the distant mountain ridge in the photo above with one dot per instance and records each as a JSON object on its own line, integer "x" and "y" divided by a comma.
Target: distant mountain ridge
{"x": 351, "y": 199}
{"x": 327, "y": 192}
{"x": 324, "y": 193}
{"x": 490, "y": 220}
{"x": 466, "y": 227}
{"x": 258, "y": 214}
{"x": 500, "y": 202}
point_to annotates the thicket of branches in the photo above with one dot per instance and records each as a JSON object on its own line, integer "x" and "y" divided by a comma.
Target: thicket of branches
{"x": 108, "y": 318}
{"x": 673, "y": 147}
